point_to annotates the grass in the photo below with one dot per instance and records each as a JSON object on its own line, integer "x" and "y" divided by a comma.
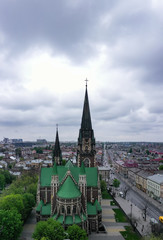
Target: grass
{"x": 106, "y": 195}
{"x": 120, "y": 216}
{"x": 129, "y": 234}
{"x": 112, "y": 203}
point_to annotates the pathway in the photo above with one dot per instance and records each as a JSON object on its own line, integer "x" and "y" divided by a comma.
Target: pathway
{"x": 113, "y": 228}
{"x": 29, "y": 227}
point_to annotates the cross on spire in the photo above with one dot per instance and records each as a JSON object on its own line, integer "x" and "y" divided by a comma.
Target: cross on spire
{"x": 86, "y": 82}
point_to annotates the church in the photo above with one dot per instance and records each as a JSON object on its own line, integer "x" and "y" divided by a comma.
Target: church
{"x": 71, "y": 194}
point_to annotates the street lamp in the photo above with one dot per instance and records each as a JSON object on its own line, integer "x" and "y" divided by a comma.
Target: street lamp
{"x": 131, "y": 211}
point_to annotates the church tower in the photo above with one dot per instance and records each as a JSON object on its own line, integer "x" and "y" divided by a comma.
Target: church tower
{"x": 57, "y": 154}
{"x": 86, "y": 141}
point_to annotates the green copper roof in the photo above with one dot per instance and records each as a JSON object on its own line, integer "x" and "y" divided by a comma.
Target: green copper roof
{"x": 69, "y": 164}
{"x": 82, "y": 169}
{"x": 69, "y": 189}
{"x": 91, "y": 175}
{"x": 98, "y": 206}
{"x": 91, "y": 209}
{"x": 46, "y": 209}
{"x": 68, "y": 220}
{"x": 77, "y": 219}
{"x": 39, "y": 206}
{"x": 60, "y": 219}
{"x": 54, "y": 172}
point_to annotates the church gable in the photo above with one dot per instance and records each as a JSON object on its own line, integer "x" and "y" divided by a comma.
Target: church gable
{"x": 91, "y": 175}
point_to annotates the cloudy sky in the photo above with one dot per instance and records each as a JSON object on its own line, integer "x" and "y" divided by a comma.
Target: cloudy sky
{"x": 47, "y": 50}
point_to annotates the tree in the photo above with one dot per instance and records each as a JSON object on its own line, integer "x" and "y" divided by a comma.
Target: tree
{"x": 50, "y": 229}
{"x": 153, "y": 237}
{"x": 103, "y": 186}
{"x": 2, "y": 181}
{"x": 64, "y": 162}
{"x": 161, "y": 167}
{"x": 75, "y": 233}
{"x": 18, "y": 152}
{"x": 116, "y": 183}
{"x": 29, "y": 203}
{"x": 147, "y": 152}
{"x": 125, "y": 191}
{"x": 10, "y": 225}
{"x": 12, "y": 202}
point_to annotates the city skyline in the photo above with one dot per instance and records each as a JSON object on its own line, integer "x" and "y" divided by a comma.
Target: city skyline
{"x": 47, "y": 52}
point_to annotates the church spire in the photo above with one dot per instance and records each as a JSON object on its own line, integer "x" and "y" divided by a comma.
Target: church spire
{"x": 86, "y": 123}
{"x": 57, "y": 154}
{"x": 86, "y": 141}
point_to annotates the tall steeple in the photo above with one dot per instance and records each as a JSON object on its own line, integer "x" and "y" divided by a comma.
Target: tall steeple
{"x": 86, "y": 141}
{"x": 86, "y": 123}
{"x": 57, "y": 154}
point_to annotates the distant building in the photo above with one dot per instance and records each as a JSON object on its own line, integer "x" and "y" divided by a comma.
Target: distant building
{"x": 42, "y": 141}
{"x": 155, "y": 187}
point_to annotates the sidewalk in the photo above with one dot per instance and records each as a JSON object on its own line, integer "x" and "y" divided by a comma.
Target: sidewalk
{"x": 143, "y": 227}
{"x": 144, "y": 195}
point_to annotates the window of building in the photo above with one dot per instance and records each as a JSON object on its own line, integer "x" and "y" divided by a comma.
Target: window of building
{"x": 63, "y": 209}
{"x": 68, "y": 210}
{"x": 86, "y": 162}
{"x": 74, "y": 209}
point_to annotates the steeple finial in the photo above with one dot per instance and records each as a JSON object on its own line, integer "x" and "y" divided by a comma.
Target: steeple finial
{"x": 86, "y": 82}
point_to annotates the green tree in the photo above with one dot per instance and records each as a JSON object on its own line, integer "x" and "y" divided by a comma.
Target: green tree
{"x": 153, "y": 237}
{"x": 147, "y": 152}
{"x": 50, "y": 229}
{"x": 29, "y": 203}
{"x": 10, "y": 225}
{"x": 161, "y": 167}
{"x": 75, "y": 233}
{"x": 18, "y": 152}
{"x": 116, "y": 183}
{"x": 12, "y": 202}
{"x": 103, "y": 186}
{"x": 2, "y": 181}
{"x": 64, "y": 162}
{"x": 130, "y": 151}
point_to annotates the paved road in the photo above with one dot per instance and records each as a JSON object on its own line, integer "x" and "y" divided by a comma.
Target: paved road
{"x": 29, "y": 227}
{"x": 141, "y": 199}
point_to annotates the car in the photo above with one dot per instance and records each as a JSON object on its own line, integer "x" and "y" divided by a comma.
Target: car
{"x": 161, "y": 218}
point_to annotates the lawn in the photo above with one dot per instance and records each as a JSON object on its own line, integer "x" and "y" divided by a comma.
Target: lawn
{"x": 112, "y": 203}
{"x": 129, "y": 234}
{"x": 120, "y": 216}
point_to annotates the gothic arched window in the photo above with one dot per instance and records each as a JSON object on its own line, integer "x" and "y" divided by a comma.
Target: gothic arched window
{"x": 68, "y": 210}
{"x": 74, "y": 209}
{"x": 63, "y": 209}
{"x": 86, "y": 162}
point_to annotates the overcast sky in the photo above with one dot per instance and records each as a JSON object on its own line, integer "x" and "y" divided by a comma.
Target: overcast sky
{"x": 47, "y": 50}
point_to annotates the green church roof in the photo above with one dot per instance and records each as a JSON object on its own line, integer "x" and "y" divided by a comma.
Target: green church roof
{"x": 55, "y": 169}
{"x": 91, "y": 175}
{"x": 82, "y": 169}
{"x": 69, "y": 164}
{"x": 46, "y": 209}
{"x": 93, "y": 208}
{"x": 39, "y": 206}
{"x": 69, "y": 189}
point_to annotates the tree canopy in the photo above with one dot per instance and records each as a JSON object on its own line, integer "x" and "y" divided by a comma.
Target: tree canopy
{"x": 10, "y": 225}
{"x": 50, "y": 229}
{"x": 75, "y": 233}
{"x": 161, "y": 167}
{"x": 116, "y": 183}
